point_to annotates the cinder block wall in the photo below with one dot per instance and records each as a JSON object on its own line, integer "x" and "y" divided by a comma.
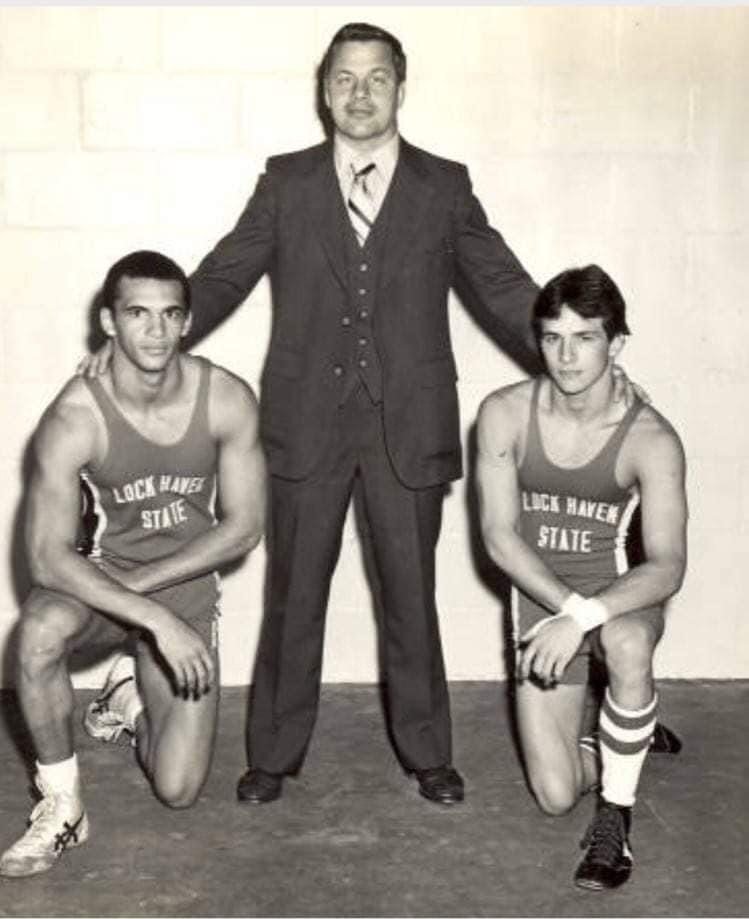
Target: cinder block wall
{"x": 616, "y": 135}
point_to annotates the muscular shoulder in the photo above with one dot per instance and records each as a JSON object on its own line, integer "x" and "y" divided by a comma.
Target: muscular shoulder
{"x": 507, "y": 405}
{"x": 502, "y": 417}
{"x": 232, "y": 403}
{"x": 70, "y": 423}
{"x": 653, "y": 442}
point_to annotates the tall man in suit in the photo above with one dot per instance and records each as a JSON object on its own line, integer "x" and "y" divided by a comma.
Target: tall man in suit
{"x": 362, "y": 237}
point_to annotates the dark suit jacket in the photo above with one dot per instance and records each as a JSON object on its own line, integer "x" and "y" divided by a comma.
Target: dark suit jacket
{"x": 437, "y": 235}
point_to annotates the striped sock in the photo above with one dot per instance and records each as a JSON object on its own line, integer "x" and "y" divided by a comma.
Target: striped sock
{"x": 624, "y": 738}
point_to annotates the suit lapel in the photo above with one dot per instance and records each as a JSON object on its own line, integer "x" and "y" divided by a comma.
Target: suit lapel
{"x": 410, "y": 197}
{"x": 324, "y": 206}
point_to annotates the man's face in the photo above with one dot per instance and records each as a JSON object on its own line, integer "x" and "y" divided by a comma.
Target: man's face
{"x": 577, "y": 351}
{"x": 362, "y": 92}
{"x": 147, "y": 321}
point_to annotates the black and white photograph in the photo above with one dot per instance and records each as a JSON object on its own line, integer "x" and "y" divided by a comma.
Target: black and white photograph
{"x": 372, "y": 396}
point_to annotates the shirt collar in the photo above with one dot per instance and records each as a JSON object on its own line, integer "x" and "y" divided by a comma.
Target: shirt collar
{"x": 384, "y": 157}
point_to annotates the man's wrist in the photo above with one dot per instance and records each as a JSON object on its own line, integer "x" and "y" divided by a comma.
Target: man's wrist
{"x": 587, "y": 612}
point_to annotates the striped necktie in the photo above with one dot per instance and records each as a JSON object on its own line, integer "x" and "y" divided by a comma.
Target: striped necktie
{"x": 361, "y": 204}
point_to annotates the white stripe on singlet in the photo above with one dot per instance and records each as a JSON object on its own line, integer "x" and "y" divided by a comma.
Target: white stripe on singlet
{"x": 101, "y": 517}
{"x": 620, "y": 540}
{"x": 216, "y": 575}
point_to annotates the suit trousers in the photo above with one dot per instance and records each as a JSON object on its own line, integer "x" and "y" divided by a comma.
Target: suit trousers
{"x": 304, "y": 540}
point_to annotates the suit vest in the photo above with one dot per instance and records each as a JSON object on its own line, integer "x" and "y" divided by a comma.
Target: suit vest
{"x": 358, "y": 343}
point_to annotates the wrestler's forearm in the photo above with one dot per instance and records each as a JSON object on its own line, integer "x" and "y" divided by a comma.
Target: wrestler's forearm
{"x": 526, "y": 569}
{"x": 66, "y": 571}
{"x": 207, "y": 552}
{"x": 649, "y": 584}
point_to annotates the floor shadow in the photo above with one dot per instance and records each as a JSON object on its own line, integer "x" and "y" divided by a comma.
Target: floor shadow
{"x": 493, "y": 578}
{"x": 10, "y": 712}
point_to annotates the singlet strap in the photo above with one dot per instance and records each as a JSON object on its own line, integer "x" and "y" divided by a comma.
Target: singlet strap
{"x": 613, "y": 444}
{"x": 112, "y": 416}
{"x": 533, "y": 442}
{"x": 199, "y": 418}
{"x": 116, "y": 420}
{"x": 608, "y": 453}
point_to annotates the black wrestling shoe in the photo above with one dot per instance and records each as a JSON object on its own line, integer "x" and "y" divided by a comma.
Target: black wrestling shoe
{"x": 664, "y": 740}
{"x": 443, "y": 785}
{"x": 608, "y": 861}
{"x": 258, "y": 787}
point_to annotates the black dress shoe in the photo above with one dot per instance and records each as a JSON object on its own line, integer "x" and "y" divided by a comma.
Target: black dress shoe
{"x": 258, "y": 787}
{"x": 442, "y": 784}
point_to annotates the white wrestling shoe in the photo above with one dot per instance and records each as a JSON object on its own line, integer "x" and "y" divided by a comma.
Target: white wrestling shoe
{"x": 58, "y": 822}
{"x": 111, "y": 716}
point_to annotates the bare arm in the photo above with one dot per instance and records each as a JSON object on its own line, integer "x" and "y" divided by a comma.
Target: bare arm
{"x": 499, "y": 502}
{"x": 658, "y": 462}
{"x": 660, "y": 469}
{"x": 501, "y": 418}
{"x": 241, "y": 492}
{"x": 65, "y": 442}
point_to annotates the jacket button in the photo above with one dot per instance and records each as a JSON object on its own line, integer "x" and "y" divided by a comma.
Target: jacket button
{"x": 363, "y": 363}
{"x": 363, "y": 266}
{"x": 363, "y": 341}
{"x": 363, "y": 314}
{"x": 345, "y": 320}
{"x": 362, "y": 291}
{"x": 338, "y": 370}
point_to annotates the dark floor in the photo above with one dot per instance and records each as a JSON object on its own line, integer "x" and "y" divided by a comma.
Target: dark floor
{"x": 351, "y": 836}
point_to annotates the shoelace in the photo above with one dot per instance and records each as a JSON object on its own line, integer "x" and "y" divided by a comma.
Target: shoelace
{"x": 102, "y": 703}
{"x": 604, "y": 836}
{"x": 41, "y": 827}
{"x": 68, "y": 835}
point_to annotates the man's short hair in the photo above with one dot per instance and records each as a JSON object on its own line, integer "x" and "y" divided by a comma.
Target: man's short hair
{"x": 589, "y": 292}
{"x": 362, "y": 31}
{"x": 143, "y": 264}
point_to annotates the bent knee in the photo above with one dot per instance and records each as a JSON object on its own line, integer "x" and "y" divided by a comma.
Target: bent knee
{"x": 629, "y": 642}
{"x": 555, "y": 798}
{"x": 47, "y": 622}
{"x": 175, "y": 793}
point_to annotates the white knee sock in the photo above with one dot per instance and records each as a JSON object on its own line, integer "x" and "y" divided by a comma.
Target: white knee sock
{"x": 624, "y": 738}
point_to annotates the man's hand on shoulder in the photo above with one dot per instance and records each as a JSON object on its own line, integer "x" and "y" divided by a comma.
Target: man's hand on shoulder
{"x": 626, "y": 390}
{"x": 93, "y": 365}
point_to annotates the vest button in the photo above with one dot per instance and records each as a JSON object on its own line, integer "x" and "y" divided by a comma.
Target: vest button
{"x": 345, "y": 320}
{"x": 363, "y": 314}
{"x": 363, "y": 266}
{"x": 363, "y": 341}
{"x": 362, "y": 291}
{"x": 363, "y": 363}
{"x": 338, "y": 370}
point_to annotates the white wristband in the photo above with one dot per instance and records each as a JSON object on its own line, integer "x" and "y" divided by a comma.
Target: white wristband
{"x": 588, "y": 612}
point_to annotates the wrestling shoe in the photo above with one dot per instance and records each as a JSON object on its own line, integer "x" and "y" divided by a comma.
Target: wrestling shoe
{"x": 111, "y": 716}
{"x": 664, "y": 740}
{"x": 57, "y": 822}
{"x": 608, "y": 861}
